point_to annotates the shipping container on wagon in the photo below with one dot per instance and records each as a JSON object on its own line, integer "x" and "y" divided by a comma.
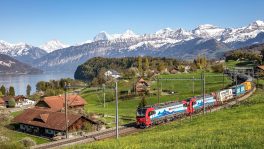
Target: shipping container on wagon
{"x": 238, "y": 90}
{"x": 225, "y": 95}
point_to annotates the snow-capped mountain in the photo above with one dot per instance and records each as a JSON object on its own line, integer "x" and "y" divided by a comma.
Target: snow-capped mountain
{"x": 178, "y": 43}
{"x": 53, "y": 45}
{"x": 208, "y": 39}
{"x": 9, "y": 65}
{"x": 21, "y": 51}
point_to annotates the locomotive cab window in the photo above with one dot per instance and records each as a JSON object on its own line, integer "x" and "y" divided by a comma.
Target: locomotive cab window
{"x": 151, "y": 113}
{"x": 141, "y": 112}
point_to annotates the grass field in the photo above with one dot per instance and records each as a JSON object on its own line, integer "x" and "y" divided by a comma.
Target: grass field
{"x": 241, "y": 126}
{"x": 127, "y": 108}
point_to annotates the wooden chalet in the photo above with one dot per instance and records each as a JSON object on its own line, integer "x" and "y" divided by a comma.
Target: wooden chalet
{"x": 50, "y": 124}
{"x": 261, "y": 67}
{"x": 57, "y": 103}
{"x": 2, "y": 102}
{"x": 142, "y": 86}
{"x": 20, "y": 98}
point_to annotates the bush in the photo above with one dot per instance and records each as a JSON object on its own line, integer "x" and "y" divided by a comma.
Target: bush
{"x": 88, "y": 127}
{"x": 218, "y": 68}
{"x": 27, "y": 142}
{"x": 11, "y": 103}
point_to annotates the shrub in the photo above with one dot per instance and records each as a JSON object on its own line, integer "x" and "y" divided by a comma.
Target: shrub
{"x": 27, "y": 142}
{"x": 88, "y": 127}
{"x": 218, "y": 68}
{"x": 11, "y": 103}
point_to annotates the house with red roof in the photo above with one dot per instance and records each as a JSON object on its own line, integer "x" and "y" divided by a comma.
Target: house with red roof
{"x": 48, "y": 123}
{"x": 57, "y": 103}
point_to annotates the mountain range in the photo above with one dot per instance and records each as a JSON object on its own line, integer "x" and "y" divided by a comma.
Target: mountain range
{"x": 9, "y": 65}
{"x": 205, "y": 39}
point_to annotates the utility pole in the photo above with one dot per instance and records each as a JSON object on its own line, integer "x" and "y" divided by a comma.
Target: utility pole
{"x": 193, "y": 85}
{"x": 158, "y": 91}
{"x": 203, "y": 93}
{"x": 104, "y": 93}
{"x": 223, "y": 79}
{"x": 66, "y": 109}
{"x": 116, "y": 109}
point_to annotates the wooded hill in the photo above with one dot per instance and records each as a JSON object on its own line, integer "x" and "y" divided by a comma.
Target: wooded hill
{"x": 98, "y": 65}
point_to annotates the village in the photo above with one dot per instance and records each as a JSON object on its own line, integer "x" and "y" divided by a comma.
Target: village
{"x": 45, "y": 117}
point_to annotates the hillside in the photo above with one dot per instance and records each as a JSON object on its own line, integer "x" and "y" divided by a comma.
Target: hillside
{"x": 238, "y": 127}
{"x": 9, "y": 65}
{"x": 92, "y": 67}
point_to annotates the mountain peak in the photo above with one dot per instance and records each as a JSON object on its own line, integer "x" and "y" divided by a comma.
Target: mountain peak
{"x": 164, "y": 31}
{"x": 256, "y": 25}
{"x": 53, "y": 45}
{"x": 102, "y": 36}
{"x": 128, "y": 34}
{"x": 206, "y": 26}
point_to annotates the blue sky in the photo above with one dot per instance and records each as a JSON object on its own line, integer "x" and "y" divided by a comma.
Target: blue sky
{"x": 75, "y": 21}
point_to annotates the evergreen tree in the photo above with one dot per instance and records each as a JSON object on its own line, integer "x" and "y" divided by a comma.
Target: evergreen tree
{"x": 140, "y": 64}
{"x": 28, "y": 90}
{"x": 146, "y": 64}
{"x": 11, "y": 91}
{"x": 3, "y": 90}
{"x": 143, "y": 102}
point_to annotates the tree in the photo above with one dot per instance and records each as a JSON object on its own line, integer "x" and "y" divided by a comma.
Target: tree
{"x": 161, "y": 66}
{"x": 41, "y": 86}
{"x": 12, "y": 91}
{"x": 11, "y": 103}
{"x": 201, "y": 62}
{"x": 146, "y": 64}
{"x": 3, "y": 90}
{"x": 143, "y": 102}
{"x": 140, "y": 64}
{"x": 262, "y": 53}
{"x": 28, "y": 90}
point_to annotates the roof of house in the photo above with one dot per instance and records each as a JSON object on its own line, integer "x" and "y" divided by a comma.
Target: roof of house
{"x": 47, "y": 119}
{"x": 2, "y": 101}
{"x": 142, "y": 81}
{"x": 19, "y": 97}
{"x": 56, "y": 103}
{"x": 261, "y": 67}
{"x": 114, "y": 72}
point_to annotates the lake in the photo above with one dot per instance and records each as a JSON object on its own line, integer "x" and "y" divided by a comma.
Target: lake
{"x": 20, "y": 82}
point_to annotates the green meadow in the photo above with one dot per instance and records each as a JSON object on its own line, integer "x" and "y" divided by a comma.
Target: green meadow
{"x": 240, "y": 126}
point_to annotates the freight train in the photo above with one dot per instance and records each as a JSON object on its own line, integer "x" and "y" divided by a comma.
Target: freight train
{"x": 163, "y": 112}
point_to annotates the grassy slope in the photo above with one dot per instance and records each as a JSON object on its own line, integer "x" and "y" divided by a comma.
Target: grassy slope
{"x": 127, "y": 108}
{"x": 238, "y": 127}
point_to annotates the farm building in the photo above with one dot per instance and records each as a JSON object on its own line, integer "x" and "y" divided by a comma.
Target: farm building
{"x": 112, "y": 73}
{"x": 2, "y": 102}
{"x": 20, "y": 101}
{"x": 142, "y": 86}
{"x": 57, "y": 103}
{"x": 50, "y": 124}
{"x": 261, "y": 68}
{"x": 20, "y": 98}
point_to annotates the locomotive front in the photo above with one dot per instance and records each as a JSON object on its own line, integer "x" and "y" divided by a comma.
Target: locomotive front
{"x": 143, "y": 117}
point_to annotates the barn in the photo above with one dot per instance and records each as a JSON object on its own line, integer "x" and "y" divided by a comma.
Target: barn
{"x": 49, "y": 123}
